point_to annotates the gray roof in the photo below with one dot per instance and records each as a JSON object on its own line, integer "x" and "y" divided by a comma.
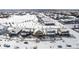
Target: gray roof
{"x": 3, "y": 29}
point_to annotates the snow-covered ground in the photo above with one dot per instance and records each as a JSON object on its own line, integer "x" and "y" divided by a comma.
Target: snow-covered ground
{"x": 31, "y": 21}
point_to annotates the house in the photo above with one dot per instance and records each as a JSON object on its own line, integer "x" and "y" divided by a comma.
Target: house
{"x": 51, "y": 31}
{"x": 26, "y": 32}
{"x": 14, "y": 31}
